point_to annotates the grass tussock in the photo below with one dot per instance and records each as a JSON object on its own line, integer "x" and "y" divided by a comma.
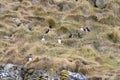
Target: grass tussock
{"x": 38, "y": 11}
{"x": 114, "y": 35}
{"x": 63, "y": 30}
{"x": 85, "y": 8}
{"x": 51, "y": 22}
{"x": 37, "y": 48}
{"x": 75, "y": 17}
{"x": 89, "y": 52}
{"x": 12, "y": 56}
{"x": 108, "y": 19}
{"x": 72, "y": 42}
{"x": 3, "y": 26}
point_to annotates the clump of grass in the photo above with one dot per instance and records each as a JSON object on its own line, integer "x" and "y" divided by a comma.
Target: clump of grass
{"x": 33, "y": 36}
{"x": 51, "y": 22}
{"x": 63, "y": 30}
{"x": 99, "y": 60}
{"x": 96, "y": 44}
{"x": 114, "y": 36}
{"x": 38, "y": 11}
{"x": 20, "y": 33}
{"x": 84, "y": 8}
{"x": 83, "y": 71}
{"x": 42, "y": 63}
{"x": 64, "y": 75}
{"x": 68, "y": 6}
{"x": 76, "y": 17}
{"x": 2, "y": 33}
{"x": 37, "y": 49}
{"x": 72, "y": 43}
{"x": 108, "y": 19}
{"x": 57, "y": 52}
{"x": 4, "y": 44}
{"x": 110, "y": 63}
{"x": 89, "y": 53}
{"x": 12, "y": 56}
{"x": 3, "y": 26}
{"x": 25, "y": 47}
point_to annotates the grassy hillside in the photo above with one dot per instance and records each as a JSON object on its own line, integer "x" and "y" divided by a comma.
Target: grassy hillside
{"x": 23, "y": 24}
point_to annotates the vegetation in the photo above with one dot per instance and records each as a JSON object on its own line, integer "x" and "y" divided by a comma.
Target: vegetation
{"x": 96, "y": 50}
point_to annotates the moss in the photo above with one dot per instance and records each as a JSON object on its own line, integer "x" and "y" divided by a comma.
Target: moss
{"x": 64, "y": 75}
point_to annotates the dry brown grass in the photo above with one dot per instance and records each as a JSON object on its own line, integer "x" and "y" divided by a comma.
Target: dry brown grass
{"x": 80, "y": 55}
{"x": 114, "y": 35}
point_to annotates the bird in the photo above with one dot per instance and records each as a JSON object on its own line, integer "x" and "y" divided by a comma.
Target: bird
{"x": 87, "y": 29}
{"x": 59, "y": 41}
{"x": 30, "y": 57}
{"x": 43, "y": 39}
{"x": 70, "y": 35}
{"x": 82, "y": 29}
{"x": 79, "y": 35}
{"x": 47, "y": 31}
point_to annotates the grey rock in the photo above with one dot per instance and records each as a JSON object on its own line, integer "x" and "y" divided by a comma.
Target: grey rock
{"x": 7, "y": 37}
{"x": 8, "y": 67}
{"x": 76, "y": 76}
{"x": 17, "y": 21}
{"x": 100, "y": 3}
{"x": 92, "y": 2}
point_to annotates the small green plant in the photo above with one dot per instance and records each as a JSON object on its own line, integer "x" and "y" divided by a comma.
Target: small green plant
{"x": 64, "y": 75}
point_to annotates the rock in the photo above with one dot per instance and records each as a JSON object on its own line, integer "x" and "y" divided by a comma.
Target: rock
{"x": 97, "y": 3}
{"x": 28, "y": 27}
{"x": 92, "y": 2}
{"x": 8, "y": 67}
{"x": 43, "y": 2}
{"x": 7, "y": 37}
{"x": 100, "y": 3}
{"x": 76, "y": 76}
{"x": 34, "y": 1}
{"x": 16, "y": 72}
{"x": 59, "y": 41}
{"x": 65, "y": 6}
{"x": 39, "y": 74}
{"x": 17, "y": 21}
